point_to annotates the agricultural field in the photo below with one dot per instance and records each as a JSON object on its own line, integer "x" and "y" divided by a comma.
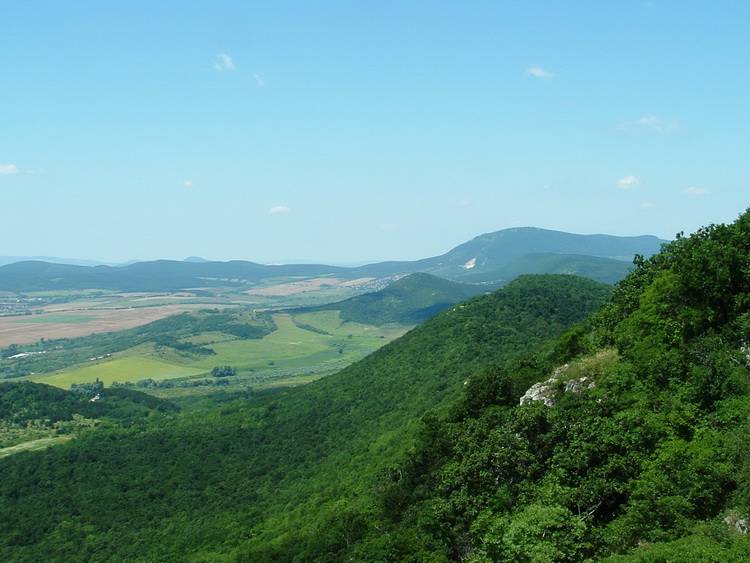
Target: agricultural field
{"x": 303, "y": 347}
{"x": 169, "y": 343}
{"x": 120, "y": 371}
{"x": 30, "y": 317}
{"x": 27, "y": 329}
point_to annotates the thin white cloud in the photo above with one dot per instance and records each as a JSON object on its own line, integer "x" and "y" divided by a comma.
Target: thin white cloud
{"x": 628, "y": 183}
{"x": 657, "y": 124}
{"x": 540, "y": 72}
{"x": 188, "y": 184}
{"x": 647, "y": 205}
{"x": 259, "y": 80}
{"x": 387, "y": 227}
{"x": 225, "y": 62}
{"x": 279, "y": 209}
{"x": 464, "y": 203}
{"x": 8, "y": 169}
{"x": 650, "y": 122}
{"x": 695, "y": 191}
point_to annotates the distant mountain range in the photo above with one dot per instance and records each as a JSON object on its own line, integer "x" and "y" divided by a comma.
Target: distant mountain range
{"x": 494, "y": 259}
{"x": 4, "y": 260}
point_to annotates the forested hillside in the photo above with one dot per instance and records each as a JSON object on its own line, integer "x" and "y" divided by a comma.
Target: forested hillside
{"x": 607, "y": 270}
{"x": 635, "y": 448}
{"x": 530, "y": 424}
{"x": 410, "y": 300}
{"x": 31, "y": 411}
{"x": 292, "y": 475}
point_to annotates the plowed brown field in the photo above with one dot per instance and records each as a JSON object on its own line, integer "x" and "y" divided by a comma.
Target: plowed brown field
{"x": 30, "y": 329}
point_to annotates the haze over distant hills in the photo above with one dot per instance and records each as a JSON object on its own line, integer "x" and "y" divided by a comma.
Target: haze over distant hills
{"x": 492, "y": 258}
{"x": 5, "y": 260}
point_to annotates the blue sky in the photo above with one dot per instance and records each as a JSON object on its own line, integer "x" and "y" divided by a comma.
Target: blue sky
{"x": 344, "y": 132}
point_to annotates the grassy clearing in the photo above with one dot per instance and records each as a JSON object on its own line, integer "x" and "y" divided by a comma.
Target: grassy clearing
{"x": 591, "y": 366}
{"x": 39, "y": 444}
{"x": 122, "y": 370}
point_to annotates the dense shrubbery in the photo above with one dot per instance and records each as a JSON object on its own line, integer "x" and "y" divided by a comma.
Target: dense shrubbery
{"x": 223, "y": 371}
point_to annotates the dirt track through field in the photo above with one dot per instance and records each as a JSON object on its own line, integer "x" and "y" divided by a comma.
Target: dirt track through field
{"x": 18, "y": 330}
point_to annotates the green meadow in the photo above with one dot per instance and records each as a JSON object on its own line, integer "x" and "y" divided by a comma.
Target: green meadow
{"x": 34, "y": 445}
{"x": 292, "y": 347}
{"x": 303, "y": 346}
{"x": 120, "y": 370}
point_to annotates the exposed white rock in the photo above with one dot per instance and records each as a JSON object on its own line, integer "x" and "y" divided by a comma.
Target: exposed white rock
{"x": 542, "y": 391}
{"x": 579, "y": 385}
{"x": 470, "y": 264}
{"x": 545, "y": 390}
{"x": 737, "y": 523}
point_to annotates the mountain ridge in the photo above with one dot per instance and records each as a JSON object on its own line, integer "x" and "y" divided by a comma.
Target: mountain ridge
{"x": 482, "y": 259}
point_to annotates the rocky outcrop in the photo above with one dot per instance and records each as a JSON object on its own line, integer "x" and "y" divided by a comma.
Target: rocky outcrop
{"x": 545, "y": 390}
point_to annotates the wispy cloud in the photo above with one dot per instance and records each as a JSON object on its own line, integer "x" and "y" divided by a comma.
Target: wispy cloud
{"x": 464, "y": 203}
{"x": 8, "y": 169}
{"x": 695, "y": 191}
{"x": 652, "y": 123}
{"x": 188, "y": 184}
{"x": 259, "y": 80}
{"x": 225, "y": 62}
{"x": 628, "y": 183}
{"x": 647, "y": 205}
{"x": 539, "y": 72}
{"x": 279, "y": 209}
{"x": 656, "y": 123}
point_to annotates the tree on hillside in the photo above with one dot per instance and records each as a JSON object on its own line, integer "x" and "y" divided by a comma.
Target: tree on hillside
{"x": 223, "y": 371}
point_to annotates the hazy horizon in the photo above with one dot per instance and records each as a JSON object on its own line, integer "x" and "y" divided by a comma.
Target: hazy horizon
{"x": 7, "y": 259}
{"x": 357, "y": 133}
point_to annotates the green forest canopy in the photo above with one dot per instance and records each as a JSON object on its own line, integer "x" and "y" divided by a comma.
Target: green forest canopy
{"x": 264, "y": 478}
{"x": 425, "y": 450}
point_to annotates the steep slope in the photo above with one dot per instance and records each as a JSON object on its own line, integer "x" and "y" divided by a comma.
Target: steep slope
{"x": 410, "y": 300}
{"x": 270, "y": 479}
{"x": 634, "y": 449}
